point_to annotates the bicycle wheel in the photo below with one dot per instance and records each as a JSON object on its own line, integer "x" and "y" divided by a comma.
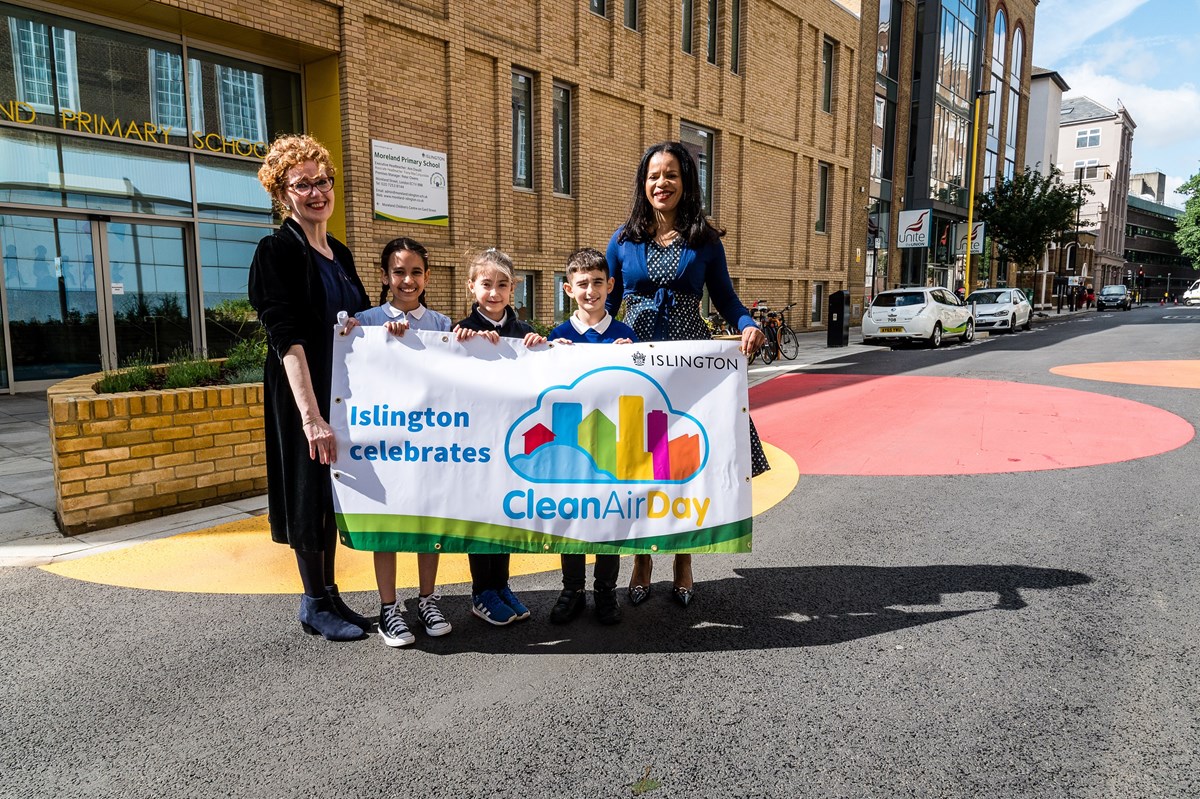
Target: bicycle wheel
{"x": 789, "y": 345}
{"x": 768, "y": 351}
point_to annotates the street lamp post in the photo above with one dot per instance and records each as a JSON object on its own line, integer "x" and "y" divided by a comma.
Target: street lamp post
{"x": 979, "y": 95}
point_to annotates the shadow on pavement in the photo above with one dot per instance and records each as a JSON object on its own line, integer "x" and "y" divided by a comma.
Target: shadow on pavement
{"x": 767, "y": 608}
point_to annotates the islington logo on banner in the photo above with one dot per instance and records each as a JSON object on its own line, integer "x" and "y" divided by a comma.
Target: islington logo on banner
{"x": 914, "y": 229}
{"x": 479, "y": 447}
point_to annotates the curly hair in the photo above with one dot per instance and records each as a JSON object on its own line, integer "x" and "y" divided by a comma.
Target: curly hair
{"x": 287, "y": 152}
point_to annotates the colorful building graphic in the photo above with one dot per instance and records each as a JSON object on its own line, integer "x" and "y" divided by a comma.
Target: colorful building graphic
{"x": 636, "y": 449}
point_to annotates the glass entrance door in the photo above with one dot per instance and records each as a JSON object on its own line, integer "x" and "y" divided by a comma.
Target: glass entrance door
{"x": 49, "y": 308}
{"x": 148, "y": 280}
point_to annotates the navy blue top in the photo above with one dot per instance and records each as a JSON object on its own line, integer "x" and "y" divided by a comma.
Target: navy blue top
{"x": 340, "y": 293}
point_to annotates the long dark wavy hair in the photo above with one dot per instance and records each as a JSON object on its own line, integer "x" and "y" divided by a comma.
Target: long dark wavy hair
{"x": 385, "y": 261}
{"x": 690, "y": 220}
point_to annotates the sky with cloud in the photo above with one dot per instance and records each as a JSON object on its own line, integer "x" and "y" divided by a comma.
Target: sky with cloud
{"x": 1143, "y": 53}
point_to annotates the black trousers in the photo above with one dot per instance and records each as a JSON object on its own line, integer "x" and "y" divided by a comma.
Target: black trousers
{"x": 488, "y": 572}
{"x": 574, "y": 571}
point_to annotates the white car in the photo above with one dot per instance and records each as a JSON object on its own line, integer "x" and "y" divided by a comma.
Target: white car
{"x": 1001, "y": 309}
{"x": 1192, "y": 295}
{"x": 917, "y": 314}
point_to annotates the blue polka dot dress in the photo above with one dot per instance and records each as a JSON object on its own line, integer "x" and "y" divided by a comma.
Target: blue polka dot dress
{"x": 682, "y": 322}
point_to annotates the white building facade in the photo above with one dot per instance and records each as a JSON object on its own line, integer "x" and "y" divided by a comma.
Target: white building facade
{"x": 1095, "y": 148}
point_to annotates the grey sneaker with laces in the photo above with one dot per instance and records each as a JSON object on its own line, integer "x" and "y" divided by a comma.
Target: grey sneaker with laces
{"x": 392, "y": 628}
{"x": 431, "y": 616}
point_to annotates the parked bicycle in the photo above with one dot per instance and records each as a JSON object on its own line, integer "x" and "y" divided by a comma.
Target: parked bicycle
{"x": 781, "y": 339}
{"x": 718, "y": 325}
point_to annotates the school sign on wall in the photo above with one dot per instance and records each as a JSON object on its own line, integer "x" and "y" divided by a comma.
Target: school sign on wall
{"x": 409, "y": 184}
{"x": 481, "y": 447}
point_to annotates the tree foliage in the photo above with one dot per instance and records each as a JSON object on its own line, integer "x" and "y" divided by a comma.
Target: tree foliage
{"x": 1024, "y": 214}
{"x": 1187, "y": 226}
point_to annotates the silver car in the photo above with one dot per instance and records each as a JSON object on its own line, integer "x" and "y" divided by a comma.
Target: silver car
{"x": 917, "y": 314}
{"x": 1001, "y": 309}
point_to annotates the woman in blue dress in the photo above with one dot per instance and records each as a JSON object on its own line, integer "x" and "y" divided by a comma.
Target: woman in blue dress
{"x": 662, "y": 258}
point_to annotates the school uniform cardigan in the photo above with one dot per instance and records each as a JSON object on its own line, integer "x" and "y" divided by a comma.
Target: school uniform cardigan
{"x": 512, "y": 327}
{"x": 285, "y": 288}
{"x": 698, "y": 267}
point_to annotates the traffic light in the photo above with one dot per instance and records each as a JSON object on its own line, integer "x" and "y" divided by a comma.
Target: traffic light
{"x": 1141, "y": 280}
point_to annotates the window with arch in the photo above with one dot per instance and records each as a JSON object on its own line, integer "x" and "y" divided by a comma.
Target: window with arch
{"x": 995, "y": 99}
{"x": 1014, "y": 101}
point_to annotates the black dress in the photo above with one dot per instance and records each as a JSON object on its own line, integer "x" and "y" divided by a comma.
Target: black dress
{"x": 288, "y": 288}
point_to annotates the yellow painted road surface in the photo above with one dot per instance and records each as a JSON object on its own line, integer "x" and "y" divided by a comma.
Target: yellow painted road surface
{"x": 1168, "y": 374}
{"x": 240, "y": 558}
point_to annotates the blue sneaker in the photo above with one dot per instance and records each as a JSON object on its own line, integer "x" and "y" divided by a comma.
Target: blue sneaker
{"x": 510, "y": 599}
{"x": 492, "y": 609}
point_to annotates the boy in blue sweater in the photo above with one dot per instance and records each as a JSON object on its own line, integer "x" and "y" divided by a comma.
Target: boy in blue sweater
{"x": 589, "y": 283}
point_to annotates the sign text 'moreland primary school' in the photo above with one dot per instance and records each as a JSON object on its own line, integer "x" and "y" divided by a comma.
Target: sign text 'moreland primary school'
{"x": 481, "y": 447}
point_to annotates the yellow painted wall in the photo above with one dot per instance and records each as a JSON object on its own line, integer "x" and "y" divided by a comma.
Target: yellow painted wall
{"x": 322, "y": 114}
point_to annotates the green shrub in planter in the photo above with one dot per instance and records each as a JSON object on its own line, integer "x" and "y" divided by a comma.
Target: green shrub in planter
{"x": 244, "y": 364}
{"x": 136, "y": 375}
{"x": 188, "y": 369}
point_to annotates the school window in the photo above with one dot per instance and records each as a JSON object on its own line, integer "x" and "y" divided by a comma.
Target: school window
{"x": 562, "y": 139}
{"x": 597, "y": 7}
{"x": 827, "y": 75}
{"x": 818, "y": 302}
{"x": 522, "y": 295}
{"x": 631, "y": 14}
{"x": 712, "y": 31}
{"x": 166, "y": 89}
{"x": 562, "y": 303}
{"x": 822, "y": 197}
{"x": 522, "y": 130}
{"x": 36, "y": 78}
{"x": 1087, "y": 138}
{"x": 243, "y": 114}
{"x": 735, "y": 36}
{"x": 687, "y": 26}
{"x": 195, "y": 94}
{"x": 1086, "y": 170}
{"x": 699, "y": 142}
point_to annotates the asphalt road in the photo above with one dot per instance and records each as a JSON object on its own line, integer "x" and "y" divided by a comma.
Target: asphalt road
{"x": 1003, "y": 635}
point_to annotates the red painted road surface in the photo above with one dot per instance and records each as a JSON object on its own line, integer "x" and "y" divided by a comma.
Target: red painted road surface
{"x": 908, "y": 425}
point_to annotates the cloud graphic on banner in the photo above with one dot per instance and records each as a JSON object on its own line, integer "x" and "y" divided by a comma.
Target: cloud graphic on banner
{"x": 612, "y": 425}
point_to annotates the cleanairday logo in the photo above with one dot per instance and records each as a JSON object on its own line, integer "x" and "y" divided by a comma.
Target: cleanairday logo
{"x": 614, "y": 425}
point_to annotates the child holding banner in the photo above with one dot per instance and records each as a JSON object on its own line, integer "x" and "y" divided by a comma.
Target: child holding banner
{"x": 405, "y": 265}
{"x": 490, "y": 281}
{"x": 588, "y": 284}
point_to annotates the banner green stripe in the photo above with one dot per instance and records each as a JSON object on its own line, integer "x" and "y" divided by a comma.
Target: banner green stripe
{"x": 377, "y": 532}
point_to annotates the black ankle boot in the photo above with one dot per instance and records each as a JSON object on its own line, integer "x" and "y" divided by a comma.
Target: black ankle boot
{"x": 570, "y": 604}
{"x": 342, "y": 609}
{"x": 607, "y": 610}
{"x": 318, "y": 617}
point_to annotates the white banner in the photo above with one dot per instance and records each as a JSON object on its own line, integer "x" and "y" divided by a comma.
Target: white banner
{"x": 409, "y": 184}
{"x": 481, "y": 447}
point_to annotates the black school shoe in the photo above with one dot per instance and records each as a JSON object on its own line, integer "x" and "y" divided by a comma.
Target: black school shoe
{"x": 570, "y": 604}
{"x": 607, "y": 610}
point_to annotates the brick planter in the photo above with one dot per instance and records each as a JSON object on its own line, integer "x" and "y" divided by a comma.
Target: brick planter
{"x": 120, "y": 458}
